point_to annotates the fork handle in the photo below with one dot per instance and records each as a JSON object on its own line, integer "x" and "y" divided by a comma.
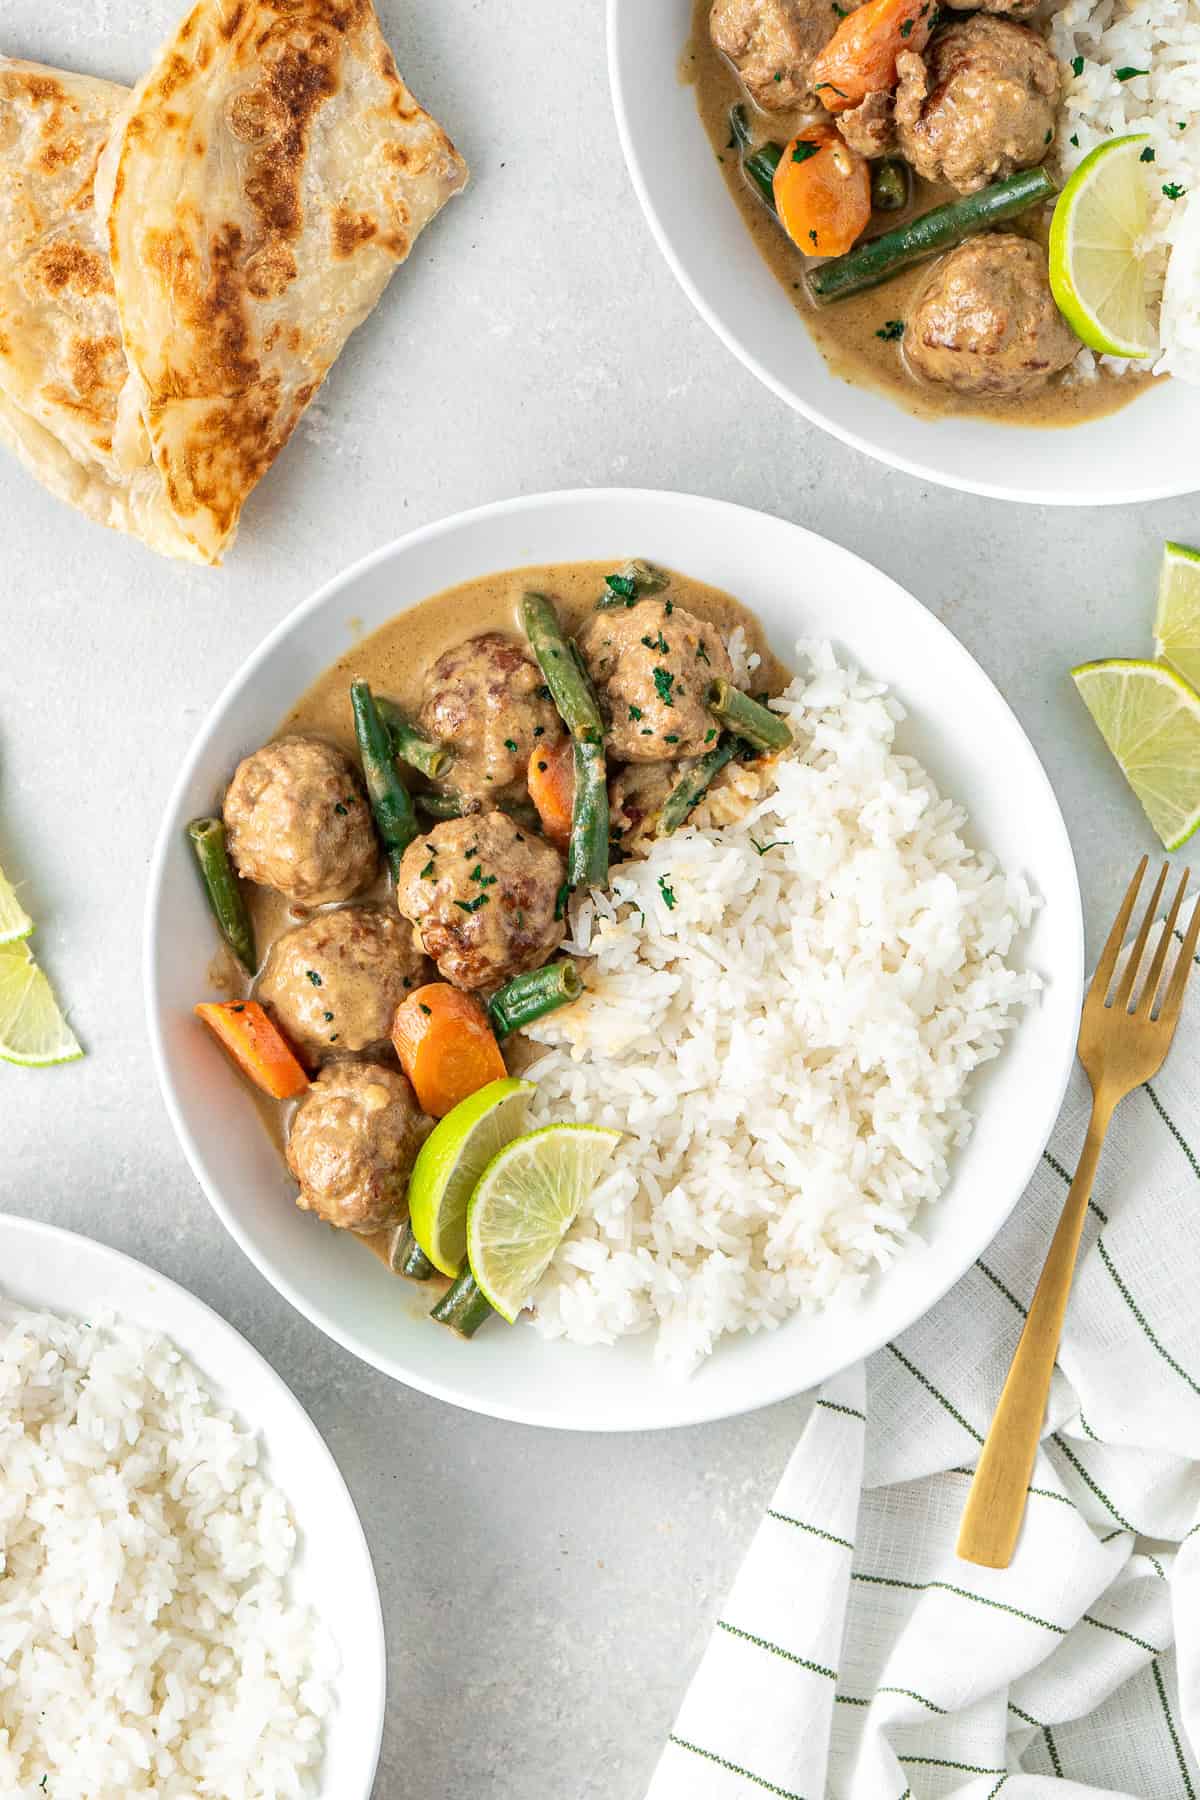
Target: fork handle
{"x": 995, "y": 1505}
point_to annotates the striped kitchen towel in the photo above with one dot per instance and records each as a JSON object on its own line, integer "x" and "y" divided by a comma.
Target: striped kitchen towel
{"x": 858, "y": 1659}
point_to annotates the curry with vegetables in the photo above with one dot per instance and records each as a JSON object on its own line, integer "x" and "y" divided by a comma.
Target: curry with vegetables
{"x": 890, "y": 160}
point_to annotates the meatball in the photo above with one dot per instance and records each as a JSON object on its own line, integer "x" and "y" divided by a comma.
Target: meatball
{"x": 333, "y": 983}
{"x": 298, "y": 821}
{"x": 353, "y": 1143}
{"x": 485, "y": 898}
{"x": 488, "y": 700}
{"x": 772, "y": 43}
{"x": 652, "y": 664}
{"x": 1012, "y": 9}
{"x": 981, "y": 102}
{"x": 986, "y": 322}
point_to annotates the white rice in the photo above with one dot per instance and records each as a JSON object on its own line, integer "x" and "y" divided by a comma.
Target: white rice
{"x": 1163, "y": 38}
{"x": 788, "y": 1046}
{"x": 148, "y": 1644}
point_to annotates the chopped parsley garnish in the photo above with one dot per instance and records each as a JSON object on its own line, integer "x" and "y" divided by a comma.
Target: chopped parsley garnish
{"x": 775, "y": 844}
{"x": 329, "y": 1018}
{"x": 1074, "y": 140}
{"x": 510, "y": 744}
{"x": 779, "y": 74}
{"x": 1129, "y": 74}
{"x": 1173, "y": 190}
{"x": 238, "y": 1008}
{"x": 478, "y": 875}
{"x": 839, "y": 11}
{"x": 542, "y": 767}
{"x": 702, "y": 655}
{"x": 539, "y": 731}
{"x": 668, "y": 893}
{"x": 339, "y": 808}
{"x": 543, "y": 692}
{"x": 517, "y": 838}
{"x": 427, "y": 871}
{"x": 635, "y": 712}
{"x": 646, "y": 731}
{"x": 1049, "y": 135}
{"x": 313, "y": 977}
{"x": 906, "y": 28}
{"x": 473, "y": 905}
{"x": 664, "y": 681}
{"x": 710, "y": 735}
{"x": 333, "y": 1037}
{"x": 802, "y": 151}
{"x": 891, "y": 330}
{"x": 1077, "y": 65}
{"x": 624, "y": 586}
{"x": 427, "y": 1010}
{"x": 672, "y": 737}
{"x": 668, "y": 607}
{"x": 658, "y": 643}
{"x": 561, "y": 898}
{"x": 832, "y": 89}
{"x": 473, "y": 851}
{"x": 1147, "y": 154}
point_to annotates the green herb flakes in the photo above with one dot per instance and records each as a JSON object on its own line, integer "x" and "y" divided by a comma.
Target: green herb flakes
{"x": 313, "y": 977}
{"x": 668, "y": 893}
{"x": 891, "y": 331}
{"x": 664, "y": 681}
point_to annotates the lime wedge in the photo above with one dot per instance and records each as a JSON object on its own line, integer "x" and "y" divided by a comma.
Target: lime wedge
{"x": 526, "y": 1203}
{"x": 33, "y": 1031}
{"x": 15, "y": 922}
{"x": 1097, "y": 267}
{"x": 450, "y": 1162}
{"x": 1150, "y": 720}
{"x": 1177, "y": 621}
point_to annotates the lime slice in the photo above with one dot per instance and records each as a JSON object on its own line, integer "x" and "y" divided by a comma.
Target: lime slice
{"x": 33, "y": 1031}
{"x": 15, "y": 922}
{"x": 451, "y": 1160}
{"x": 526, "y": 1203}
{"x": 1097, "y": 268}
{"x": 1177, "y": 621}
{"x": 1150, "y": 720}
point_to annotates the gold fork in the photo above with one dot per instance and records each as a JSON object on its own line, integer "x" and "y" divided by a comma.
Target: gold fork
{"x": 1122, "y": 1043}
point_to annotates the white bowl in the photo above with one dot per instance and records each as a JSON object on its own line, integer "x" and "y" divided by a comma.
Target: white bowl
{"x": 41, "y": 1266}
{"x": 799, "y": 585}
{"x": 1148, "y": 451}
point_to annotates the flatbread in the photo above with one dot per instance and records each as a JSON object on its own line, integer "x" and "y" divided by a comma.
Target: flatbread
{"x": 266, "y": 178}
{"x": 62, "y": 367}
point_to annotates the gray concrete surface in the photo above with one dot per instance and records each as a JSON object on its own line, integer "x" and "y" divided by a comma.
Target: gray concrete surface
{"x": 546, "y": 1597}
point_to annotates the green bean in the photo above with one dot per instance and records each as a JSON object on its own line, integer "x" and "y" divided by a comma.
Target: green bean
{"x": 632, "y": 582}
{"x": 412, "y": 746}
{"x": 760, "y": 167}
{"x": 454, "y": 806}
{"x": 395, "y": 819}
{"x": 882, "y": 257}
{"x": 562, "y": 671}
{"x": 463, "y": 1306}
{"x": 527, "y": 998}
{"x": 409, "y": 1259}
{"x": 693, "y": 786}
{"x": 890, "y": 185}
{"x": 744, "y": 716}
{"x": 587, "y": 848}
{"x": 224, "y": 895}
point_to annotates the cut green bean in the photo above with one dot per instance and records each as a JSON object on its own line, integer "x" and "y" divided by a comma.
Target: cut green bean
{"x": 527, "y": 998}
{"x": 760, "y": 167}
{"x": 882, "y": 257}
{"x": 562, "y": 671}
{"x": 587, "y": 848}
{"x": 745, "y": 717}
{"x": 890, "y": 185}
{"x": 691, "y": 789}
{"x": 391, "y": 805}
{"x": 463, "y": 1306}
{"x": 224, "y": 895}
{"x": 632, "y": 582}
{"x": 441, "y": 806}
{"x": 409, "y": 1259}
{"x": 412, "y": 746}
{"x": 454, "y": 806}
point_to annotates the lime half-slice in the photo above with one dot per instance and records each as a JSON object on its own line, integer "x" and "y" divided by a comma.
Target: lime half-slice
{"x": 1177, "y": 621}
{"x": 15, "y": 922}
{"x": 526, "y": 1203}
{"x": 33, "y": 1031}
{"x": 1097, "y": 261}
{"x": 451, "y": 1160}
{"x": 1150, "y": 720}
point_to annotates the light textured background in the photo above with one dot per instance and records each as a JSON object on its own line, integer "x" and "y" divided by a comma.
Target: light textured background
{"x": 545, "y": 1596}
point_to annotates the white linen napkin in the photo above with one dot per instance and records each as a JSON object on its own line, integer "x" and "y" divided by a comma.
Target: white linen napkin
{"x": 858, "y": 1659}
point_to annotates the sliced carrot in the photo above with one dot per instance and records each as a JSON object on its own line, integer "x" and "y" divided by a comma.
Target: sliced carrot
{"x": 551, "y": 780}
{"x": 255, "y": 1045}
{"x": 860, "y": 57}
{"x": 446, "y": 1046}
{"x": 823, "y": 191}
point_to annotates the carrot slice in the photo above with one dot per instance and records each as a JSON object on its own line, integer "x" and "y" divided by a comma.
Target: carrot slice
{"x": 255, "y": 1045}
{"x": 860, "y": 57}
{"x": 823, "y": 191}
{"x": 446, "y": 1046}
{"x": 551, "y": 781}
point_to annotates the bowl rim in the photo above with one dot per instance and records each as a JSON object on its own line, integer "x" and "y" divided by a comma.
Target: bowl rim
{"x": 617, "y": 11}
{"x": 700, "y": 1410}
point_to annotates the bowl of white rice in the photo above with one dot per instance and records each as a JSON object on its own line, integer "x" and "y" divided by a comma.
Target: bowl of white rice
{"x": 187, "y": 1603}
{"x": 1130, "y": 66}
{"x": 833, "y": 1023}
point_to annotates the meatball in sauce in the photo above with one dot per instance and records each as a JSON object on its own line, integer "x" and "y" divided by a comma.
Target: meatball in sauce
{"x": 353, "y": 1142}
{"x": 298, "y": 821}
{"x": 333, "y": 983}
{"x": 651, "y": 665}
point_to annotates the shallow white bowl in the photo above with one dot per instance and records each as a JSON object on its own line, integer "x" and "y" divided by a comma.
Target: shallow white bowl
{"x": 1148, "y": 451}
{"x": 43, "y": 1267}
{"x": 800, "y": 585}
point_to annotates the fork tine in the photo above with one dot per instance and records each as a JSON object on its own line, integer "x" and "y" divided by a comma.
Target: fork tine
{"x": 1134, "y": 960}
{"x": 1116, "y": 937}
{"x": 1169, "y": 1010}
{"x": 1145, "y": 1003}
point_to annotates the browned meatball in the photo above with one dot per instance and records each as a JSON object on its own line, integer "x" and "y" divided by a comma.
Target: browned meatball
{"x": 353, "y": 1143}
{"x": 485, "y": 898}
{"x": 333, "y": 983}
{"x": 772, "y": 43}
{"x": 1012, "y": 9}
{"x": 652, "y": 664}
{"x": 488, "y": 700}
{"x": 986, "y": 323}
{"x": 981, "y": 102}
{"x": 298, "y": 821}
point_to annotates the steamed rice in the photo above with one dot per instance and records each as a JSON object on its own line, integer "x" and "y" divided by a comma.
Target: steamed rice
{"x": 148, "y": 1644}
{"x": 1161, "y": 37}
{"x": 783, "y": 1015}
